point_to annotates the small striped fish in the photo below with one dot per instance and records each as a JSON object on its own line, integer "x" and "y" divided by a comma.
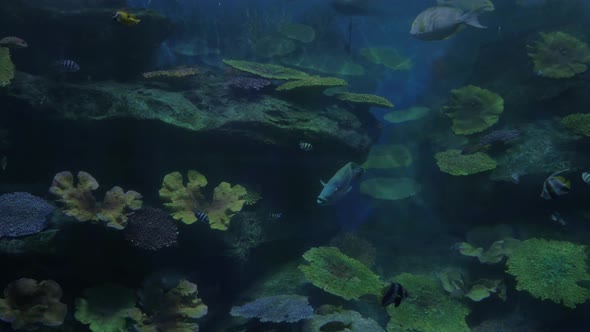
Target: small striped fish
{"x": 305, "y": 146}
{"x": 67, "y": 66}
{"x": 201, "y": 216}
{"x": 555, "y": 186}
{"x": 586, "y": 177}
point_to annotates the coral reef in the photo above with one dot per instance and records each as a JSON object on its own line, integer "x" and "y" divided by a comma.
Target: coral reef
{"x": 183, "y": 201}
{"x": 29, "y": 304}
{"x": 428, "y": 309}
{"x": 473, "y": 109}
{"x": 410, "y": 114}
{"x": 391, "y": 189}
{"x": 559, "y": 55}
{"x": 345, "y": 320}
{"x": 22, "y": 214}
{"x": 6, "y": 67}
{"x": 174, "y": 310}
{"x": 455, "y": 163}
{"x": 296, "y": 31}
{"x": 106, "y": 308}
{"x": 355, "y": 246}
{"x": 312, "y": 82}
{"x": 247, "y": 83}
{"x": 388, "y": 157}
{"x": 578, "y": 123}
{"x": 80, "y": 203}
{"x": 276, "y": 309}
{"x": 551, "y": 270}
{"x": 365, "y": 99}
{"x": 151, "y": 229}
{"x": 275, "y": 72}
{"x": 388, "y": 57}
{"x": 338, "y": 274}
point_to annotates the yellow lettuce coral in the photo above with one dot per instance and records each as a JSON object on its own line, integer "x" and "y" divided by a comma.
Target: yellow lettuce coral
{"x": 473, "y": 109}
{"x": 116, "y": 201}
{"x": 367, "y": 99}
{"x": 6, "y": 67}
{"x": 559, "y": 55}
{"x": 455, "y": 163}
{"x": 183, "y": 201}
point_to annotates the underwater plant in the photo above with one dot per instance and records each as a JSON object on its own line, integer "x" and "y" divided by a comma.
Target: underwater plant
{"x": 551, "y": 270}
{"x": 388, "y": 57}
{"x": 106, "y": 308}
{"x": 275, "y": 72}
{"x": 473, "y": 109}
{"x": 297, "y": 31}
{"x": 80, "y": 203}
{"x": 578, "y": 123}
{"x": 312, "y": 82}
{"x": 174, "y": 310}
{"x": 338, "y": 274}
{"x": 6, "y": 67}
{"x": 22, "y": 214}
{"x": 343, "y": 320}
{"x": 183, "y": 200}
{"x": 151, "y": 229}
{"x": 559, "y": 55}
{"x": 276, "y": 309}
{"x": 388, "y": 157}
{"x": 428, "y": 308}
{"x": 391, "y": 189}
{"x": 410, "y": 114}
{"x": 29, "y": 304}
{"x": 457, "y": 164}
{"x": 365, "y": 99}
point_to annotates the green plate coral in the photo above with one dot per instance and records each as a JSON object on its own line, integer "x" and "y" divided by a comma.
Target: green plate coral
{"x": 577, "y": 123}
{"x": 106, "y": 308}
{"x": 559, "y": 55}
{"x": 427, "y": 309}
{"x": 410, "y": 114}
{"x": 388, "y": 57}
{"x": 6, "y": 67}
{"x": 473, "y": 109}
{"x": 296, "y": 31}
{"x": 267, "y": 70}
{"x": 388, "y": 157}
{"x": 551, "y": 270}
{"x": 455, "y": 163}
{"x": 312, "y": 82}
{"x": 338, "y": 274}
{"x": 367, "y": 99}
{"x": 391, "y": 189}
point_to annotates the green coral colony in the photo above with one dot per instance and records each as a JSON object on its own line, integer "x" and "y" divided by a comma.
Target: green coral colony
{"x": 267, "y": 170}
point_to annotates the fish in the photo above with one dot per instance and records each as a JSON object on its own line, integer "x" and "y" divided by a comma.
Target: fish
{"x": 555, "y": 186}
{"x": 556, "y": 216}
{"x": 275, "y": 215}
{"x": 586, "y": 177}
{"x": 336, "y": 326}
{"x": 394, "y": 294}
{"x": 467, "y": 5}
{"x": 201, "y": 216}
{"x": 13, "y": 42}
{"x": 442, "y": 22}
{"x": 125, "y": 18}
{"x": 305, "y": 146}
{"x": 3, "y": 163}
{"x": 340, "y": 184}
{"x": 66, "y": 66}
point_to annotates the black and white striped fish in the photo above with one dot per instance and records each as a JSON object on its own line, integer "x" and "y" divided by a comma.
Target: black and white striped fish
{"x": 66, "y": 66}
{"x": 201, "y": 216}
{"x": 586, "y": 177}
{"x": 305, "y": 146}
{"x": 555, "y": 186}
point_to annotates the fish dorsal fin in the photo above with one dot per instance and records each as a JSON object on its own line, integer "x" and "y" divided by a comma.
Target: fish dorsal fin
{"x": 471, "y": 18}
{"x": 323, "y": 183}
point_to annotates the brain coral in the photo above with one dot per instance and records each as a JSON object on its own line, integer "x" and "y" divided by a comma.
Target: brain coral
{"x": 559, "y": 55}
{"x": 551, "y": 270}
{"x": 455, "y": 163}
{"x": 151, "y": 229}
{"x": 22, "y": 214}
{"x": 473, "y": 109}
{"x": 276, "y": 309}
{"x": 6, "y": 67}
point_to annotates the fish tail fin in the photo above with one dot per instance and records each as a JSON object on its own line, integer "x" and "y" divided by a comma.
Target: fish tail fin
{"x": 471, "y": 18}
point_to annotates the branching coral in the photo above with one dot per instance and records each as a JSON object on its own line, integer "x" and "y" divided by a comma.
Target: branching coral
{"x": 391, "y": 189}
{"x": 551, "y": 270}
{"x": 106, "y": 308}
{"x": 184, "y": 201}
{"x": 6, "y": 67}
{"x": 28, "y": 304}
{"x": 267, "y": 70}
{"x": 276, "y": 309}
{"x": 473, "y": 109}
{"x": 80, "y": 203}
{"x": 338, "y": 274}
{"x": 577, "y": 123}
{"x": 312, "y": 82}
{"x": 22, "y": 214}
{"x": 366, "y": 99}
{"x": 388, "y": 57}
{"x": 455, "y": 163}
{"x": 559, "y": 55}
{"x": 427, "y": 309}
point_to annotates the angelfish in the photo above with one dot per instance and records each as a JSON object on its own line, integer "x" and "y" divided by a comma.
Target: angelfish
{"x": 340, "y": 184}
{"x": 555, "y": 186}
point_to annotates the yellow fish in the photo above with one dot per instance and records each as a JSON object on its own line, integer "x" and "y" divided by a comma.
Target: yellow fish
{"x": 125, "y": 18}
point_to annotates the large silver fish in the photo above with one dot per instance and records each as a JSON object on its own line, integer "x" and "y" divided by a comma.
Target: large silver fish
{"x": 442, "y": 22}
{"x": 340, "y": 184}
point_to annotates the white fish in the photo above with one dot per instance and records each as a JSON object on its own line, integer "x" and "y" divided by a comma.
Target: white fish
{"x": 586, "y": 177}
{"x": 467, "y": 5}
{"x": 442, "y": 22}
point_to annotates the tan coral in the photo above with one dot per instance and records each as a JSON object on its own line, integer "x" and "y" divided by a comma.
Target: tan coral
{"x": 116, "y": 203}
{"x": 227, "y": 201}
{"x": 78, "y": 199}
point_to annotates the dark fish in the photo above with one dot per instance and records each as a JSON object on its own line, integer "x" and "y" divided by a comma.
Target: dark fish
{"x": 335, "y": 326}
{"x": 67, "y": 66}
{"x": 394, "y": 294}
{"x": 555, "y": 186}
{"x": 201, "y": 216}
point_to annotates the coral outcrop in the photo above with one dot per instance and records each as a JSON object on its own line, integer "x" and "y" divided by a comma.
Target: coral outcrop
{"x": 455, "y": 163}
{"x": 22, "y": 214}
{"x": 559, "y": 55}
{"x": 473, "y": 109}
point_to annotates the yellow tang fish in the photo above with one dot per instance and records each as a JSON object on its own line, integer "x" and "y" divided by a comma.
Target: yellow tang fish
{"x": 125, "y": 18}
